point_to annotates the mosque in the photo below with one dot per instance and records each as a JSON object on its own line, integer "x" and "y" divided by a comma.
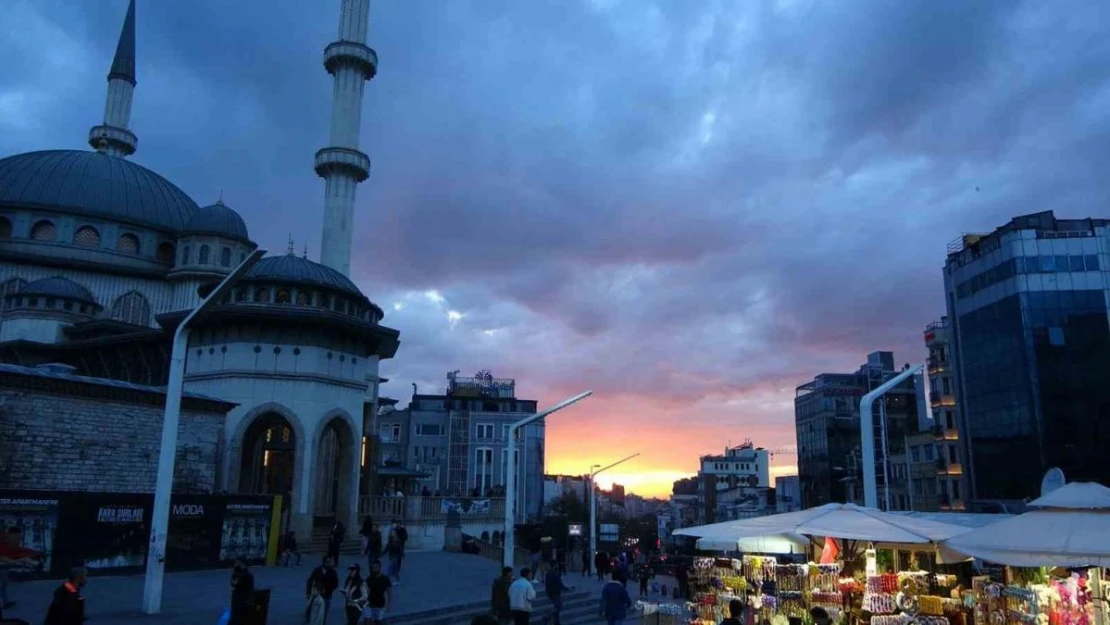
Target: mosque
{"x": 100, "y": 258}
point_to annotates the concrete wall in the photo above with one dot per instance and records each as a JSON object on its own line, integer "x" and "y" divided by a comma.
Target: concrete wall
{"x": 61, "y": 442}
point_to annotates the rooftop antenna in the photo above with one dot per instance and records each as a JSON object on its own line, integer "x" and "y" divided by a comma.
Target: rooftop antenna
{"x": 305, "y": 256}
{"x": 221, "y": 200}
{"x": 291, "y": 249}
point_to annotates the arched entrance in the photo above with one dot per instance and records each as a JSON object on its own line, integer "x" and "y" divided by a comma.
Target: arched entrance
{"x": 269, "y": 450}
{"x": 333, "y": 480}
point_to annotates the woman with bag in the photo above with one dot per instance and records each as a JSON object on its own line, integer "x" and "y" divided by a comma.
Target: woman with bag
{"x": 316, "y": 611}
{"x": 355, "y": 590}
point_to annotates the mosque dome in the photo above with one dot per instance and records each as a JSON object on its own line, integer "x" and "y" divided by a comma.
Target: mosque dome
{"x": 218, "y": 219}
{"x": 95, "y": 185}
{"x": 294, "y": 270}
{"x": 57, "y": 286}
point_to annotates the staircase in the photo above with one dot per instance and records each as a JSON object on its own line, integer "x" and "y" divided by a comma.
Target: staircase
{"x": 318, "y": 543}
{"x": 580, "y": 607}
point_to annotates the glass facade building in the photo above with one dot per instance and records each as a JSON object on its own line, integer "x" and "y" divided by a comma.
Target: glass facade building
{"x": 1030, "y": 338}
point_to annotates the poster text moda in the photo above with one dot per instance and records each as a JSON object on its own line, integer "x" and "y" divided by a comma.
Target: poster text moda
{"x": 109, "y": 532}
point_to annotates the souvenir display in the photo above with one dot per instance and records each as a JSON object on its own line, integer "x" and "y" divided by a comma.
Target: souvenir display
{"x": 661, "y": 613}
{"x": 776, "y": 591}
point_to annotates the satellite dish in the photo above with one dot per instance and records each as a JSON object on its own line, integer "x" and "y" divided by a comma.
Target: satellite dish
{"x": 1052, "y": 480}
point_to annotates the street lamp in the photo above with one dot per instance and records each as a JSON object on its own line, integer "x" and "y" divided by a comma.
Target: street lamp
{"x": 163, "y": 488}
{"x": 595, "y": 469}
{"x": 867, "y": 435}
{"x": 510, "y": 471}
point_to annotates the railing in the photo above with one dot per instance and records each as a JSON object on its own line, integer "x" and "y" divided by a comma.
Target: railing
{"x": 936, "y": 364}
{"x": 949, "y": 468}
{"x": 941, "y": 399}
{"x": 416, "y": 509}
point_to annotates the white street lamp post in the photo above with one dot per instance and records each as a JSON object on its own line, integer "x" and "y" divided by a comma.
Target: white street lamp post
{"x": 163, "y": 489}
{"x": 867, "y": 434}
{"x": 593, "y": 502}
{"x": 510, "y": 471}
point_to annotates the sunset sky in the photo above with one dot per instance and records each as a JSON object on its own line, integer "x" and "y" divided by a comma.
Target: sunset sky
{"x": 689, "y": 207}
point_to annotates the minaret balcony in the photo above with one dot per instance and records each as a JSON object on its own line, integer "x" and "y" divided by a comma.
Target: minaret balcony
{"x": 122, "y": 139}
{"x": 351, "y": 53}
{"x": 343, "y": 160}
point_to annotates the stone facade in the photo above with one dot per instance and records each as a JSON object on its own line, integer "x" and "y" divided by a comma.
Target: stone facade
{"x": 77, "y": 434}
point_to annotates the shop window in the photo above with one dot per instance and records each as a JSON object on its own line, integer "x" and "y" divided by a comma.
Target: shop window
{"x": 44, "y": 231}
{"x": 203, "y": 257}
{"x": 166, "y": 252}
{"x": 5, "y": 228}
{"x": 225, "y": 257}
{"x": 128, "y": 244}
{"x": 132, "y": 308}
{"x": 87, "y": 236}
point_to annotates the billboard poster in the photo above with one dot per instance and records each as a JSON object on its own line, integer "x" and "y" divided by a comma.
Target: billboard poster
{"x": 194, "y": 533}
{"x": 29, "y": 522}
{"x": 245, "y": 530}
{"x": 105, "y": 532}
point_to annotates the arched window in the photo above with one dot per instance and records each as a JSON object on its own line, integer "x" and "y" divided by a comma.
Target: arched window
{"x": 242, "y": 294}
{"x": 262, "y": 295}
{"x": 132, "y": 308}
{"x": 282, "y": 296}
{"x": 5, "y": 228}
{"x": 87, "y": 236}
{"x": 128, "y": 244}
{"x": 166, "y": 253}
{"x": 204, "y": 253}
{"x": 186, "y": 253}
{"x": 11, "y": 287}
{"x": 304, "y": 298}
{"x": 225, "y": 257}
{"x": 44, "y": 231}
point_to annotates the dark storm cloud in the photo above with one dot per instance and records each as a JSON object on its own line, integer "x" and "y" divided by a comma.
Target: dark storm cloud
{"x": 695, "y": 203}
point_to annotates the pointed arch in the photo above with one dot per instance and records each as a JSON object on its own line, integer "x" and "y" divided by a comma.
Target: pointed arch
{"x": 205, "y": 252}
{"x": 336, "y": 445}
{"x": 132, "y": 308}
{"x": 44, "y": 230}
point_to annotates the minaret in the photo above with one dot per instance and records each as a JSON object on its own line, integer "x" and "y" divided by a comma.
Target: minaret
{"x": 342, "y": 165}
{"x": 113, "y": 137}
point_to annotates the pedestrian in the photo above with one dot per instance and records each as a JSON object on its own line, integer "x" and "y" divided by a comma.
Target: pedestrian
{"x": 379, "y": 594}
{"x": 615, "y": 602}
{"x": 521, "y": 595}
{"x": 585, "y": 562}
{"x": 644, "y": 574}
{"x": 554, "y": 587}
{"x": 335, "y": 540}
{"x": 402, "y": 542}
{"x": 316, "y": 612}
{"x": 68, "y": 606}
{"x": 326, "y": 577}
{"x": 290, "y": 550}
{"x": 819, "y": 615}
{"x": 355, "y": 591}
{"x": 600, "y": 561}
{"x": 393, "y": 556}
{"x": 735, "y": 613}
{"x": 499, "y": 596}
{"x": 561, "y": 561}
{"x": 373, "y": 539}
{"x": 242, "y": 592}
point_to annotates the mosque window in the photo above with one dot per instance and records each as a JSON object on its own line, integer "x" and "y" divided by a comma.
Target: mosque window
{"x": 202, "y": 257}
{"x": 44, "y": 231}
{"x": 243, "y": 294}
{"x": 128, "y": 244}
{"x": 5, "y": 228}
{"x": 132, "y": 308}
{"x": 304, "y": 298}
{"x": 87, "y": 236}
{"x": 166, "y": 253}
{"x": 225, "y": 257}
{"x": 186, "y": 254}
{"x": 282, "y": 296}
{"x": 11, "y": 287}
{"x": 262, "y": 295}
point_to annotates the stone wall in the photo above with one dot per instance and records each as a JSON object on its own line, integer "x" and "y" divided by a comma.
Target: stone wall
{"x": 53, "y": 441}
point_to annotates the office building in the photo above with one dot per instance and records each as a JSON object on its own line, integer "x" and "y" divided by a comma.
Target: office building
{"x": 788, "y": 494}
{"x": 1028, "y": 308}
{"x": 951, "y": 486}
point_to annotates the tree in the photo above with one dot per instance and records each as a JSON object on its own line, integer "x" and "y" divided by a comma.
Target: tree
{"x": 569, "y": 505}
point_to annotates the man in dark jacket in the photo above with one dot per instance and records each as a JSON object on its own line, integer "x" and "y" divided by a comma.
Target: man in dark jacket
{"x": 499, "y": 596}
{"x": 555, "y": 586}
{"x": 242, "y": 592}
{"x": 328, "y": 579}
{"x": 615, "y": 602}
{"x": 68, "y": 606}
{"x": 335, "y": 540}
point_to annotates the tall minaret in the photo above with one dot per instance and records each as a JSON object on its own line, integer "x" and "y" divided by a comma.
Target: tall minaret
{"x": 113, "y": 137}
{"x": 342, "y": 165}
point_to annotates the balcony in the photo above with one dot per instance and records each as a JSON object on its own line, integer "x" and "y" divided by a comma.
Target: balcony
{"x": 941, "y": 399}
{"x": 415, "y": 510}
{"x": 944, "y": 434}
{"x": 936, "y": 365}
{"x": 949, "y": 468}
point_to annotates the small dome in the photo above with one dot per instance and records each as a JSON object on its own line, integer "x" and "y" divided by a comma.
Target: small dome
{"x": 218, "y": 219}
{"x": 95, "y": 185}
{"x": 57, "y": 286}
{"x": 296, "y": 270}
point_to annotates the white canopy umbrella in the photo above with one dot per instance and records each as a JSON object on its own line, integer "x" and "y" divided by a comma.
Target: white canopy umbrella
{"x": 1069, "y": 527}
{"x": 838, "y": 520}
{"x": 780, "y": 544}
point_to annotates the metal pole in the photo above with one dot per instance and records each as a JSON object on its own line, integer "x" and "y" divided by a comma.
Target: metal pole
{"x": 593, "y": 500}
{"x": 167, "y": 455}
{"x": 867, "y": 434}
{"x": 510, "y": 469}
{"x": 886, "y": 453}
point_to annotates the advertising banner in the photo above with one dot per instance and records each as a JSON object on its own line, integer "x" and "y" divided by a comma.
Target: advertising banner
{"x": 245, "y": 531}
{"x": 193, "y": 541}
{"x": 465, "y": 507}
{"x": 104, "y": 531}
{"x": 29, "y": 522}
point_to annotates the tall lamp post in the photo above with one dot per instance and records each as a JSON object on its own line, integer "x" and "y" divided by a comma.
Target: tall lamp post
{"x": 163, "y": 488}
{"x": 510, "y": 470}
{"x": 594, "y": 470}
{"x": 867, "y": 435}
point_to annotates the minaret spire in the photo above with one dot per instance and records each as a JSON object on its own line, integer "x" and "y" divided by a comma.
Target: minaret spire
{"x": 342, "y": 165}
{"x": 113, "y": 136}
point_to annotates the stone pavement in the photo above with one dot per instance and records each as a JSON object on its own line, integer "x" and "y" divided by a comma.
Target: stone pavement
{"x": 430, "y": 581}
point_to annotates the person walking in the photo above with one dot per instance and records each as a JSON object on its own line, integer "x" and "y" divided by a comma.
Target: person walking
{"x": 554, "y": 587}
{"x": 499, "y": 596}
{"x": 373, "y": 539}
{"x": 68, "y": 606}
{"x": 735, "y": 613}
{"x": 585, "y": 562}
{"x": 335, "y": 540}
{"x": 378, "y": 593}
{"x": 521, "y": 595}
{"x": 393, "y": 556}
{"x": 354, "y": 589}
{"x": 316, "y": 612}
{"x": 242, "y": 592}
{"x": 615, "y": 602}
{"x": 601, "y": 564}
{"x": 643, "y": 573}
{"x": 326, "y": 577}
